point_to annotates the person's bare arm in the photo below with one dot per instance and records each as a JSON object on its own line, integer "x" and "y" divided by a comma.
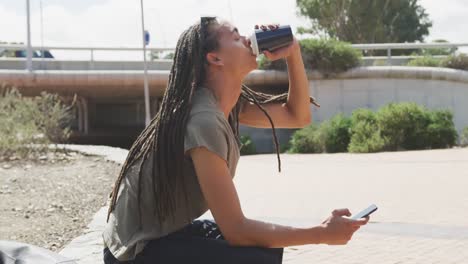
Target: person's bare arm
{"x": 295, "y": 113}
{"x": 221, "y": 195}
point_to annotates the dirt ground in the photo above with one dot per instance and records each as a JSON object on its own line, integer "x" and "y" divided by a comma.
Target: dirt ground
{"x": 50, "y": 201}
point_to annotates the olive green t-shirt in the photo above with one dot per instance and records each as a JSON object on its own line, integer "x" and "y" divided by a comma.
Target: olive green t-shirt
{"x": 127, "y": 233}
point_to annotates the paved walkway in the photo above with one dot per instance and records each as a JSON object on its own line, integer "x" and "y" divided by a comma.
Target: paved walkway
{"x": 422, "y": 198}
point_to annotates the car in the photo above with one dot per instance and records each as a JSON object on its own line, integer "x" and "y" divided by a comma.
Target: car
{"x": 22, "y": 53}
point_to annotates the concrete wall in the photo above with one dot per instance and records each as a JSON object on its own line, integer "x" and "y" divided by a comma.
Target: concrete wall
{"x": 373, "y": 87}
{"x": 344, "y": 96}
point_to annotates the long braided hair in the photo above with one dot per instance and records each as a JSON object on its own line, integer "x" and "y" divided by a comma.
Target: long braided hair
{"x": 164, "y": 136}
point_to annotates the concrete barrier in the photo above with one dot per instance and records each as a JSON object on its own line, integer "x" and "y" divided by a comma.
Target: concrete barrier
{"x": 363, "y": 87}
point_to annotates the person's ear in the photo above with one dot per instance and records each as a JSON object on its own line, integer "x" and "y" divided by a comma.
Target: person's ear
{"x": 213, "y": 58}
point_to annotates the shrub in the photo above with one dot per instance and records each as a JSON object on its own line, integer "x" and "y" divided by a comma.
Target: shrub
{"x": 459, "y": 62}
{"x": 409, "y": 126}
{"x": 441, "y": 132}
{"x": 285, "y": 147}
{"x": 396, "y": 126}
{"x": 464, "y": 137}
{"x": 329, "y": 55}
{"x": 403, "y": 126}
{"x": 306, "y": 140}
{"x": 438, "y": 51}
{"x": 337, "y": 134}
{"x": 365, "y": 134}
{"x": 426, "y": 61}
{"x": 330, "y": 136}
{"x": 169, "y": 56}
{"x": 379, "y": 62}
{"x": 264, "y": 63}
{"x": 54, "y": 118}
{"x": 248, "y": 147}
{"x": 18, "y": 129}
{"x": 325, "y": 55}
{"x": 25, "y": 121}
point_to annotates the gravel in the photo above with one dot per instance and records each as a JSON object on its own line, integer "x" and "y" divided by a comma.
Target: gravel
{"x": 50, "y": 201}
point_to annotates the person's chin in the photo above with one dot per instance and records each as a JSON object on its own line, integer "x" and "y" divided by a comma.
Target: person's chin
{"x": 255, "y": 65}
{"x": 248, "y": 70}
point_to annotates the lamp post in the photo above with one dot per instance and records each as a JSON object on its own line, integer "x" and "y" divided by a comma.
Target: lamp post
{"x": 29, "y": 49}
{"x": 145, "y": 66}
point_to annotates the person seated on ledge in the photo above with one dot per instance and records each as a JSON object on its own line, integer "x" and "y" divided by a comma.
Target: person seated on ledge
{"x": 183, "y": 163}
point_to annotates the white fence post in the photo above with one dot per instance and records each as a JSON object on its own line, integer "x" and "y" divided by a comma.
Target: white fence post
{"x": 389, "y": 57}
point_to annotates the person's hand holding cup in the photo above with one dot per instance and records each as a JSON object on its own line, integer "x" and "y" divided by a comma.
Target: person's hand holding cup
{"x": 274, "y": 41}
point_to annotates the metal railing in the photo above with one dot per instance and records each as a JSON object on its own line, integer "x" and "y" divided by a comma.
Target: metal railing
{"x": 402, "y": 46}
{"x": 364, "y": 47}
{"x": 91, "y": 50}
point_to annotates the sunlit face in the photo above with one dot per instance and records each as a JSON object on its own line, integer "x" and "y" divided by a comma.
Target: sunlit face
{"x": 234, "y": 50}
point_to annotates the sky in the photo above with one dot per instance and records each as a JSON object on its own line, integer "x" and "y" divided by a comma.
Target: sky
{"x": 117, "y": 23}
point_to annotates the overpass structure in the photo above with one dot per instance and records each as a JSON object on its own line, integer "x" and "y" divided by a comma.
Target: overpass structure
{"x": 110, "y": 105}
{"x": 110, "y": 108}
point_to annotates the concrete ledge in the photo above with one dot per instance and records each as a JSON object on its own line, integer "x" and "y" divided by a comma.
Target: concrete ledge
{"x": 128, "y": 83}
{"x": 87, "y": 248}
{"x": 117, "y": 155}
{"x": 403, "y": 72}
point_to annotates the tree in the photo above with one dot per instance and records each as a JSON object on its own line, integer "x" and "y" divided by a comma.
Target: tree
{"x": 366, "y": 21}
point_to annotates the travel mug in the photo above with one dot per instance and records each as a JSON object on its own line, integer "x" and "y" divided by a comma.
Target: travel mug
{"x": 270, "y": 39}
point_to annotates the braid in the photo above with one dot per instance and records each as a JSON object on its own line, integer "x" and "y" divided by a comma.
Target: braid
{"x": 259, "y": 98}
{"x": 163, "y": 138}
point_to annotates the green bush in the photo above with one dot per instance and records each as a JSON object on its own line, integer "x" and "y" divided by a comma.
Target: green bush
{"x": 306, "y": 140}
{"x": 464, "y": 137}
{"x": 409, "y": 126}
{"x": 285, "y": 147}
{"x": 54, "y": 118}
{"x": 18, "y": 129}
{"x": 403, "y": 126}
{"x": 325, "y": 55}
{"x": 438, "y": 51}
{"x": 441, "y": 132}
{"x": 396, "y": 126}
{"x": 459, "y": 62}
{"x": 365, "y": 134}
{"x": 25, "y": 121}
{"x": 248, "y": 147}
{"x": 337, "y": 134}
{"x": 426, "y": 61}
{"x": 279, "y": 65}
{"x": 380, "y": 62}
{"x": 331, "y": 136}
{"x": 329, "y": 55}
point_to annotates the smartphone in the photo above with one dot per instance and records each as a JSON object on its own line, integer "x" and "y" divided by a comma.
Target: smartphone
{"x": 366, "y": 212}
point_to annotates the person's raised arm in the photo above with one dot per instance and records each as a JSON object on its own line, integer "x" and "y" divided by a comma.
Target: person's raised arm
{"x": 295, "y": 113}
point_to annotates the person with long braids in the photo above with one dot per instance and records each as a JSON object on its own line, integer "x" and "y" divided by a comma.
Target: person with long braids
{"x": 183, "y": 162}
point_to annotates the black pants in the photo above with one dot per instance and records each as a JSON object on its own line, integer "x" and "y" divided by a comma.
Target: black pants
{"x": 200, "y": 242}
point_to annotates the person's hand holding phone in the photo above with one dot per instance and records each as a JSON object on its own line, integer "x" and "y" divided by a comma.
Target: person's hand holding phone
{"x": 338, "y": 229}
